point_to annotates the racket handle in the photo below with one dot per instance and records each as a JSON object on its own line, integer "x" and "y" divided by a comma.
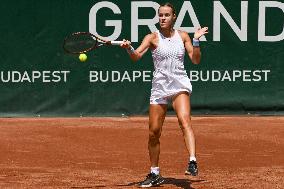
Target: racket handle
{"x": 116, "y": 42}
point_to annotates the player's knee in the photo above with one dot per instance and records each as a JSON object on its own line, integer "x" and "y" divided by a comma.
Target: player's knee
{"x": 154, "y": 135}
{"x": 186, "y": 128}
{"x": 185, "y": 122}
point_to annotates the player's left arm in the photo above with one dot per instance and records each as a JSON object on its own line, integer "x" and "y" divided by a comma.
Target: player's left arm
{"x": 192, "y": 48}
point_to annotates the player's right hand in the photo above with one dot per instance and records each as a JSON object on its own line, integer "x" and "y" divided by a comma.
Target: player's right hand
{"x": 126, "y": 44}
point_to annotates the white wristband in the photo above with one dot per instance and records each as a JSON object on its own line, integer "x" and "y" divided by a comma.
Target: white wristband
{"x": 195, "y": 42}
{"x": 130, "y": 50}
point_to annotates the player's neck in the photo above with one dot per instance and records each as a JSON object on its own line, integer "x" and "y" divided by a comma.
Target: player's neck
{"x": 169, "y": 32}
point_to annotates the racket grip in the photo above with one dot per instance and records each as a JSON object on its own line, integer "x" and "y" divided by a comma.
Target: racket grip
{"x": 116, "y": 42}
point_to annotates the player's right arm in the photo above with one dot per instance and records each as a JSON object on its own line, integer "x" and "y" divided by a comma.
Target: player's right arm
{"x": 135, "y": 55}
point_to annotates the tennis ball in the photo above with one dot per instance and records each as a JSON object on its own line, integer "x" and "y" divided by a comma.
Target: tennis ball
{"x": 83, "y": 57}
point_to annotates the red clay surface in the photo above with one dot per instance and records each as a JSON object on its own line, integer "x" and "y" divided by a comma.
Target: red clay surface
{"x": 233, "y": 152}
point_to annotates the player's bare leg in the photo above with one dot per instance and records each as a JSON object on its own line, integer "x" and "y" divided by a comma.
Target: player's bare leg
{"x": 157, "y": 113}
{"x": 181, "y": 104}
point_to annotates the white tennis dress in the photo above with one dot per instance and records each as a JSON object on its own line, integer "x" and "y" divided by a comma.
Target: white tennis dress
{"x": 169, "y": 77}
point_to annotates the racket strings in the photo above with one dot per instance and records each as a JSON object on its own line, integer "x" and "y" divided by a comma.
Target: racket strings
{"x": 80, "y": 43}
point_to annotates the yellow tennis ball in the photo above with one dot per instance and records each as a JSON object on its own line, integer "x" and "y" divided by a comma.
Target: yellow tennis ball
{"x": 83, "y": 57}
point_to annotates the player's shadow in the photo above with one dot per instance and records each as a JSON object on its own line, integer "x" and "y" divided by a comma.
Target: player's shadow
{"x": 181, "y": 183}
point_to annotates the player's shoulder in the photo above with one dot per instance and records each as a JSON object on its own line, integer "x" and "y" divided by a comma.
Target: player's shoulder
{"x": 184, "y": 35}
{"x": 151, "y": 36}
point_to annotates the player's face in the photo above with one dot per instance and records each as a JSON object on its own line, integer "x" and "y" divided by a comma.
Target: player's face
{"x": 166, "y": 17}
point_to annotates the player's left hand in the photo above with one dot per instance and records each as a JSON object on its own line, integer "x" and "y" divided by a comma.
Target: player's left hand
{"x": 200, "y": 32}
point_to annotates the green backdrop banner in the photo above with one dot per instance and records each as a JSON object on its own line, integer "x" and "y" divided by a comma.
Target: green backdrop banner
{"x": 241, "y": 70}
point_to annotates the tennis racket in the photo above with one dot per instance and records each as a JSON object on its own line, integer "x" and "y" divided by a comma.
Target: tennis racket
{"x": 82, "y": 42}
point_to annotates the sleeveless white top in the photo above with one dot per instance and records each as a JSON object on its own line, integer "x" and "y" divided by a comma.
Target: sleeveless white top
{"x": 169, "y": 77}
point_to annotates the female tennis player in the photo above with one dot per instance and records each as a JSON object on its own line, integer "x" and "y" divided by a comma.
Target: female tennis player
{"x": 170, "y": 84}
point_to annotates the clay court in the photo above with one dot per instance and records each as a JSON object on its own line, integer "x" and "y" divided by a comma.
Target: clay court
{"x": 233, "y": 152}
